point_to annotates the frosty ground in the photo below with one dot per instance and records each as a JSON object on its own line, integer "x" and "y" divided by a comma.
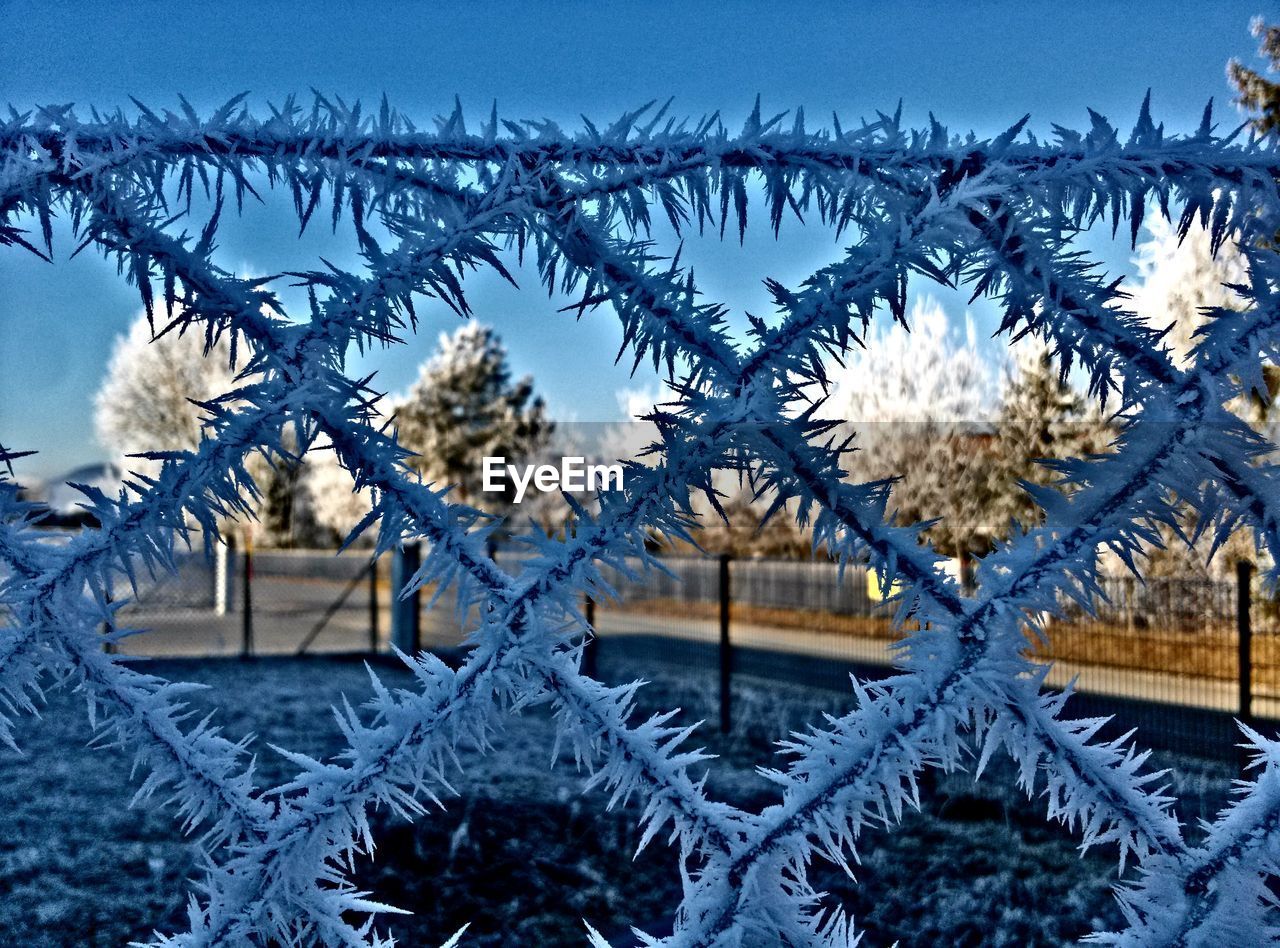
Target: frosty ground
{"x": 519, "y": 852}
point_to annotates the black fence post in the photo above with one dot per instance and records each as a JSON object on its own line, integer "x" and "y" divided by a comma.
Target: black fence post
{"x": 590, "y": 662}
{"x": 1244, "y": 635}
{"x": 968, "y": 579}
{"x": 406, "y": 612}
{"x": 246, "y": 593}
{"x": 108, "y": 629}
{"x": 231, "y": 563}
{"x": 726, "y": 654}
{"x": 373, "y": 607}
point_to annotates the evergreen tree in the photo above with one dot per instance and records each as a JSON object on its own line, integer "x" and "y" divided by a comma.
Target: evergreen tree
{"x": 288, "y": 515}
{"x": 1260, "y": 95}
{"x": 464, "y": 407}
{"x": 1256, "y": 93}
{"x": 1042, "y": 418}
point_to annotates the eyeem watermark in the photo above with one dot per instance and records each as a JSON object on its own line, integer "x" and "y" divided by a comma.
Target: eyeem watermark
{"x": 573, "y": 476}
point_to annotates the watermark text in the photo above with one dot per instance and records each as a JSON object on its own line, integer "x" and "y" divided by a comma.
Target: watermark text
{"x": 573, "y": 476}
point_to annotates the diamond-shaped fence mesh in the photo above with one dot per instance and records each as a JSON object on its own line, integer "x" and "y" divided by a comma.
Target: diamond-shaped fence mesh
{"x": 998, "y": 216}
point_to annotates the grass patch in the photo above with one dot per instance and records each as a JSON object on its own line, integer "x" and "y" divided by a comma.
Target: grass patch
{"x": 519, "y": 852}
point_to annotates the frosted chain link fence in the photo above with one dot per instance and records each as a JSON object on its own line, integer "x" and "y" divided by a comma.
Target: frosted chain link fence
{"x": 997, "y": 215}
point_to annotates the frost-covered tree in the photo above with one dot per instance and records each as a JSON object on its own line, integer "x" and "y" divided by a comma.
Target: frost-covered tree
{"x": 334, "y": 503}
{"x": 1181, "y": 277}
{"x": 732, "y": 519}
{"x": 465, "y": 406}
{"x": 919, "y": 400}
{"x": 147, "y": 399}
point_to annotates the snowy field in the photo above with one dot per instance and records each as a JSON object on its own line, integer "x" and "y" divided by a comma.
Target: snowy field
{"x": 519, "y": 852}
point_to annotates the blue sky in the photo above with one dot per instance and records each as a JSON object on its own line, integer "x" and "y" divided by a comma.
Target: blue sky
{"x": 977, "y": 66}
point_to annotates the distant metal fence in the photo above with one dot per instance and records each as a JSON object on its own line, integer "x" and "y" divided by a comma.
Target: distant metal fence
{"x": 200, "y": 583}
{"x": 1180, "y": 657}
{"x": 777, "y": 584}
{"x": 1183, "y": 656}
{"x": 270, "y": 602}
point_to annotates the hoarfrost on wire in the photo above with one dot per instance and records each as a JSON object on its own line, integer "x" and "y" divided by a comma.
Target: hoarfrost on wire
{"x": 997, "y": 215}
